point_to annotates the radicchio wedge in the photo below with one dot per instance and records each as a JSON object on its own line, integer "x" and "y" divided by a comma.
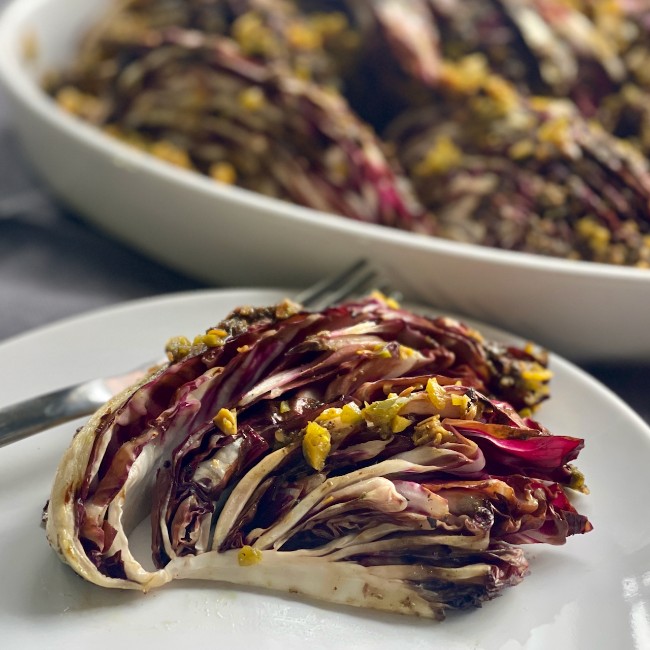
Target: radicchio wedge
{"x": 362, "y": 455}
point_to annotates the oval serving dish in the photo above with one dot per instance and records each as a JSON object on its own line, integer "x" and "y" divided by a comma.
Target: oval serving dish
{"x": 231, "y": 236}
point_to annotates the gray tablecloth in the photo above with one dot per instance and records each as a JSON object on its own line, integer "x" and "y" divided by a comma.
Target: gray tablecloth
{"x": 53, "y": 265}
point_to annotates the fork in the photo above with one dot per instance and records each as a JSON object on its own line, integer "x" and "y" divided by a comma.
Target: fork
{"x": 23, "y": 419}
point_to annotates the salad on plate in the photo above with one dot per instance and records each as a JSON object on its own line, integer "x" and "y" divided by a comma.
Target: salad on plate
{"x": 364, "y": 455}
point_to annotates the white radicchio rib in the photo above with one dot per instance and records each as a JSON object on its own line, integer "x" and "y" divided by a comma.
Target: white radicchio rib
{"x": 363, "y": 455}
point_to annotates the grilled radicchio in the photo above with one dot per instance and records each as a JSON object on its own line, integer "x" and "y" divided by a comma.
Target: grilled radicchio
{"x": 362, "y": 455}
{"x": 517, "y": 124}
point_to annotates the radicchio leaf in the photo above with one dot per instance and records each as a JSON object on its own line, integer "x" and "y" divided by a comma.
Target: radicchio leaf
{"x": 362, "y": 455}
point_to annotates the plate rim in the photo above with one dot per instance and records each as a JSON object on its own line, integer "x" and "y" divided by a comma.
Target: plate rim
{"x": 172, "y": 300}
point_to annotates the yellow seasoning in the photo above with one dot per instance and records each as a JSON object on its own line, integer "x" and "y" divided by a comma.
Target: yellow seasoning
{"x": 460, "y": 400}
{"x": 329, "y": 414}
{"x": 316, "y": 444}
{"x": 252, "y": 99}
{"x": 351, "y": 414}
{"x": 436, "y": 393}
{"x": 212, "y": 340}
{"x": 177, "y": 348}
{"x": 215, "y": 338}
{"x": 443, "y": 156}
{"x": 170, "y": 153}
{"x": 304, "y": 38}
{"x": 248, "y": 556}
{"x": 399, "y": 423}
{"x": 406, "y": 352}
{"x": 223, "y": 172}
{"x": 226, "y": 420}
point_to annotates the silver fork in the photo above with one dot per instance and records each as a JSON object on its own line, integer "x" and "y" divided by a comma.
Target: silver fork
{"x": 23, "y": 419}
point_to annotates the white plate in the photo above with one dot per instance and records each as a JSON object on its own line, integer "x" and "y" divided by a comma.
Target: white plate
{"x": 234, "y": 237}
{"x": 591, "y": 593}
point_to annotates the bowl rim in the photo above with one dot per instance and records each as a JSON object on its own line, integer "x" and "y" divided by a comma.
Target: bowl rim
{"x": 15, "y": 17}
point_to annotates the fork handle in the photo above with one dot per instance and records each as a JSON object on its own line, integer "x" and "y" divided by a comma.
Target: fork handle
{"x": 23, "y": 419}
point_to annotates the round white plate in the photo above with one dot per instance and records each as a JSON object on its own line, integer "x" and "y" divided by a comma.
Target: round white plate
{"x": 234, "y": 237}
{"x": 591, "y": 593}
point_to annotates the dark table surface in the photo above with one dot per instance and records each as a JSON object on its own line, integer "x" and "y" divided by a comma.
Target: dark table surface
{"x": 53, "y": 265}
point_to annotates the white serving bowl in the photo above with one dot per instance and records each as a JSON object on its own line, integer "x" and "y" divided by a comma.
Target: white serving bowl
{"x": 231, "y": 236}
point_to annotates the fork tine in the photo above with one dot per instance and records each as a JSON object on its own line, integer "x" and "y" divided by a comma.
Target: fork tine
{"x": 331, "y": 290}
{"x": 352, "y": 287}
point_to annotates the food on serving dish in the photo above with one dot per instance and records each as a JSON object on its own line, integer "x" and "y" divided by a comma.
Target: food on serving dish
{"x": 529, "y": 174}
{"x": 520, "y": 125}
{"x": 363, "y": 455}
{"x": 229, "y": 108}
